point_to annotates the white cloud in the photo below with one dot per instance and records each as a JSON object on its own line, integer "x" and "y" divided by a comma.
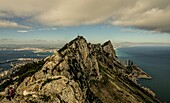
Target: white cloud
{"x": 145, "y": 14}
{"x": 152, "y": 15}
{"x": 86, "y": 12}
{"x": 22, "y": 31}
{"x": 25, "y": 30}
{"x": 64, "y": 13}
{"x": 134, "y": 30}
{"x": 9, "y": 24}
{"x": 47, "y": 28}
{"x": 34, "y": 41}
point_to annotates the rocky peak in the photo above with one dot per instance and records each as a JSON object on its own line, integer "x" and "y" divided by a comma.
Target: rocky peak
{"x": 108, "y": 48}
{"x": 81, "y": 72}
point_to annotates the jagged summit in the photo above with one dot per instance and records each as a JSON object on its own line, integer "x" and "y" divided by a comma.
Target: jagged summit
{"x": 107, "y": 43}
{"x": 79, "y": 41}
{"x": 108, "y": 47}
{"x": 82, "y": 72}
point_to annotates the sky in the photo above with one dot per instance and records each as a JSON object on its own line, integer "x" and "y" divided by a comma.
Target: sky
{"x": 59, "y": 21}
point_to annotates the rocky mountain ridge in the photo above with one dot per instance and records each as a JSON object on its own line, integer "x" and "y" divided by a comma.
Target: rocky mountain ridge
{"x": 82, "y": 72}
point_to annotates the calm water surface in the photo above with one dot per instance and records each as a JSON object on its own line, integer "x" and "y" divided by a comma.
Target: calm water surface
{"x": 8, "y": 56}
{"x": 156, "y": 62}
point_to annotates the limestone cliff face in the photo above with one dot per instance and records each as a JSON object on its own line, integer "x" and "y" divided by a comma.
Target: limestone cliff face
{"x": 81, "y": 72}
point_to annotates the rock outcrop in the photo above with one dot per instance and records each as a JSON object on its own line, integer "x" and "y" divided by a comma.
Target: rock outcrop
{"x": 81, "y": 72}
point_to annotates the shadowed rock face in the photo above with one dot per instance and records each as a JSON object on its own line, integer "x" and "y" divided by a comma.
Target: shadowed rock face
{"x": 81, "y": 72}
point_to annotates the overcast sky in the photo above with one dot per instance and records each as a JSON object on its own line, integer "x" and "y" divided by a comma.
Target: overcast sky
{"x": 52, "y": 21}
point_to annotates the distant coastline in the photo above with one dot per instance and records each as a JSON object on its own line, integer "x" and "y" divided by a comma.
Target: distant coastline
{"x": 15, "y": 56}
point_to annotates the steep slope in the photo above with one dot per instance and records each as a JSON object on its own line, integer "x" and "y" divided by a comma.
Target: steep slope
{"x": 81, "y": 72}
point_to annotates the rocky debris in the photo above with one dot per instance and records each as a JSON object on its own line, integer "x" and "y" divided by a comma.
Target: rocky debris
{"x": 81, "y": 72}
{"x": 50, "y": 89}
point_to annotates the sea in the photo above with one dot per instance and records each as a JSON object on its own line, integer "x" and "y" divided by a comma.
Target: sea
{"x": 154, "y": 60}
{"x": 11, "y": 56}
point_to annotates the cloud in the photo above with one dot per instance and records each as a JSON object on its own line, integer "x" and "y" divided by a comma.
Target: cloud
{"x": 25, "y": 31}
{"x": 32, "y": 41}
{"x": 144, "y": 14}
{"x": 9, "y": 24}
{"x": 151, "y": 15}
{"x": 66, "y": 13}
{"x": 22, "y": 31}
{"x": 132, "y": 30}
{"x": 129, "y": 30}
{"x": 48, "y": 29}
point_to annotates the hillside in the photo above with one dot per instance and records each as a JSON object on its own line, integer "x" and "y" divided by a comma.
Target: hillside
{"x": 80, "y": 72}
